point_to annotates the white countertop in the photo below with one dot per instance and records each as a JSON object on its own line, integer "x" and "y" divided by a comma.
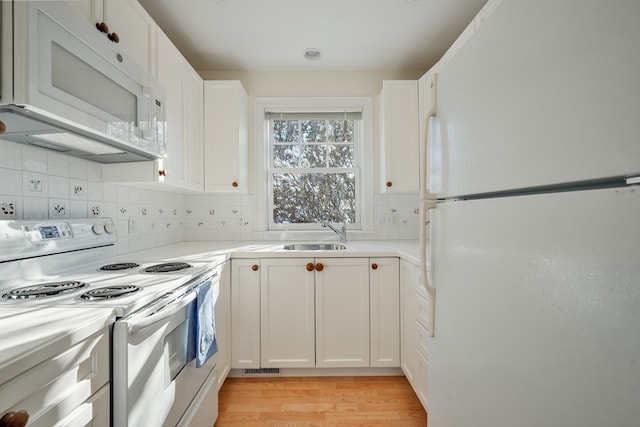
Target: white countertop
{"x": 406, "y": 249}
{"x": 31, "y": 335}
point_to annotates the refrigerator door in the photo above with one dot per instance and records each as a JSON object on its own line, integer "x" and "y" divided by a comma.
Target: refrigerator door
{"x": 538, "y": 311}
{"x": 545, "y": 92}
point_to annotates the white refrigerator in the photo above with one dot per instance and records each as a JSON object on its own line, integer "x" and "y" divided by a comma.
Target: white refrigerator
{"x": 532, "y": 236}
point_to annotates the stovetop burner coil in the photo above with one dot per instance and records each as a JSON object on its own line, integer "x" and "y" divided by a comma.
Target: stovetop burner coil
{"x": 44, "y": 290}
{"x": 167, "y": 267}
{"x": 109, "y": 292}
{"x": 119, "y": 266}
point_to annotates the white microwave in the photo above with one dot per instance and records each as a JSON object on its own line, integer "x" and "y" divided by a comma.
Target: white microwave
{"x": 62, "y": 80}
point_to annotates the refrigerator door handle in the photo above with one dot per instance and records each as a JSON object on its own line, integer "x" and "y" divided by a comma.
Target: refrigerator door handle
{"x": 427, "y": 205}
{"x": 425, "y": 158}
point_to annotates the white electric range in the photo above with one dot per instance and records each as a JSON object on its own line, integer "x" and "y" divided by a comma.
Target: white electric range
{"x": 72, "y": 264}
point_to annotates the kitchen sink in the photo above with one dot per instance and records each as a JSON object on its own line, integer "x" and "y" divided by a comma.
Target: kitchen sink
{"x": 314, "y": 247}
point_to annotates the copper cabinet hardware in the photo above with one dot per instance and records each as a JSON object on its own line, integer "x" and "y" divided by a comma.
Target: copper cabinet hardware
{"x": 3, "y": 127}
{"x": 319, "y": 266}
{"x": 162, "y": 172}
{"x": 234, "y": 184}
{"x": 102, "y": 27}
{"x": 14, "y": 419}
{"x": 310, "y": 267}
{"x": 254, "y": 267}
{"x": 389, "y": 183}
{"x": 374, "y": 266}
{"x": 113, "y": 37}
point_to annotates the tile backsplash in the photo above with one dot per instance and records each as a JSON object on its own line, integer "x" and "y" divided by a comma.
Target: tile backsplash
{"x": 39, "y": 184}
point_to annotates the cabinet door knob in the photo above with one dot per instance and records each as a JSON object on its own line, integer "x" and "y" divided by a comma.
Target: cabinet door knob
{"x": 234, "y": 184}
{"x": 3, "y": 127}
{"x": 102, "y": 27}
{"x": 113, "y": 37}
{"x": 319, "y": 266}
{"x": 254, "y": 267}
{"x": 309, "y": 266}
{"x": 162, "y": 172}
{"x": 389, "y": 183}
{"x": 14, "y": 419}
{"x": 374, "y": 266}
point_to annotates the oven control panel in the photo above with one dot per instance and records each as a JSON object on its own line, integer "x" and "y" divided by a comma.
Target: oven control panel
{"x": 20, "y": 239}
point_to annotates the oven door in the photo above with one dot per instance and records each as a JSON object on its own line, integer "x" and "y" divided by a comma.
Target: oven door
{"x": 154, "y": 380}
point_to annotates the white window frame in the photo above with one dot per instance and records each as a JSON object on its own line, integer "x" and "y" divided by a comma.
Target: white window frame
{"x": 364, "y": 153}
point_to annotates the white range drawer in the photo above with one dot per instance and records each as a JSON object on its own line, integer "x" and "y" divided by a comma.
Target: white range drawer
{"x": 70, "y": 388}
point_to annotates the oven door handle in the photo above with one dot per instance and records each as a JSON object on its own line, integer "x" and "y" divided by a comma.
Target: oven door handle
{"x": 164, "y": 313}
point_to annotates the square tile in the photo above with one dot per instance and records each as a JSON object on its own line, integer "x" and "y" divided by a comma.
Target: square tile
{"x": 34, "y": 184}
{"x": 10, "y": 182}
{"x": 34, "y": 159}
{"x": 11, "y": 155}
{"x": 58, "y": 208}
{"x": 57, "y": 164}
{"x": 58, "y": 187}
{"x": 35, "y": 208}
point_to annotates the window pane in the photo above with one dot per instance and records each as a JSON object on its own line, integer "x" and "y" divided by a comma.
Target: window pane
{"x": 314, "y": 156}
{"x": 285, "y": 131}
{"x": 340, "y": 130}
{"x": 286, "y": 156}
{"x": 314, "y": 130}
{"x": 341, "y": 156}
{"x": 310, "y": 198}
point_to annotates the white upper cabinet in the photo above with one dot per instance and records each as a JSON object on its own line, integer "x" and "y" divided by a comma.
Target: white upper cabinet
{"x": 399, "y": 143}
{"x": 182, "y": 168}
{"x": 226, "y": 109}
{"x": 127, "y": 22}
{"x": 169, "y": 74}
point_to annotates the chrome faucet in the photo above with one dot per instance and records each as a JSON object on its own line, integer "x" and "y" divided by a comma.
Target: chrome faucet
{"x": 342, "y": 232}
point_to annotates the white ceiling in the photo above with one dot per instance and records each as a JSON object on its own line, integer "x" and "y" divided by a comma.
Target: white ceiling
{"x": 372, "y": 35}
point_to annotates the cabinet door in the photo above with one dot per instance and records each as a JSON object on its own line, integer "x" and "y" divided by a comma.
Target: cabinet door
{"x": 398, "y": 103}
{"x": 245, "y": 313}
{"x": 225, "y": 136}
{"x": 169, "y": 72}
{"x": 193, "y": 111}
{"x": 134, "y": 27}
{"x": 342, "y": 312}
{"x": 385, "y": 312}
{"x": 408, "y": 310}
{"x": 287, "y": 313}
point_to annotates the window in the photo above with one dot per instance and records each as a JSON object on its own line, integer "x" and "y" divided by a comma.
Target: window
{"x": 314, "y": 172}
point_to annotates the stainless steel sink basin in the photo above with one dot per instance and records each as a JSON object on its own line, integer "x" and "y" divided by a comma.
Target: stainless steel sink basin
{"x": 314, "y": 247}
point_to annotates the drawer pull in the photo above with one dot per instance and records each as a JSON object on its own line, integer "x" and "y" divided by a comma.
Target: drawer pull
{"x": 319, "y": 266}
{"x": 254, "y": 267}
{"x": 310, "y": 266}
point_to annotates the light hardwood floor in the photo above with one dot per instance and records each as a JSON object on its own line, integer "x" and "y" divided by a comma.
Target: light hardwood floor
{"x": 319, "y": 401}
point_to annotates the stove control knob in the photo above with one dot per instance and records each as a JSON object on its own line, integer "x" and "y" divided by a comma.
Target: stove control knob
{"x": 98, "y": 229}
{"x": 109, "y": 228}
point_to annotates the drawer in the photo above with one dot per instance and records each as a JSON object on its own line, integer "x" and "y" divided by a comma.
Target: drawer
{"x": 422, "y": 337}
{"x": 424, "y": 312}
{"x": 56, "y": 388}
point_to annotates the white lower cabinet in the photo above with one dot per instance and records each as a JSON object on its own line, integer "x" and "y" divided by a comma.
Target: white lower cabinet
{"x": 287, "y": 303}
{"x": 245, "y": 314}
{"x": 315, "y": 312}
{"x": 342, "y": 312}
{"x": 385, "y": 312}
